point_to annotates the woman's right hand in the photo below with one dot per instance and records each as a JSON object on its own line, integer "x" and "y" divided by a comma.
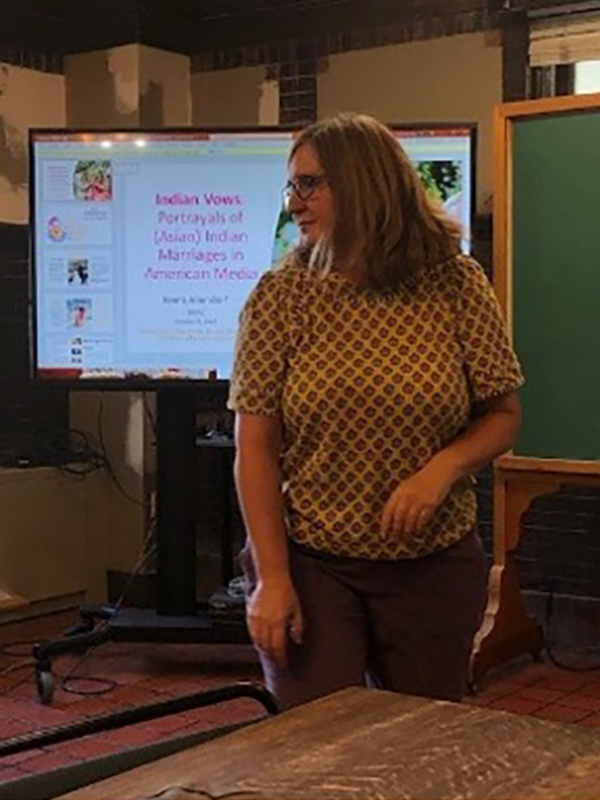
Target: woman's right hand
{"x": 273, "y": 611}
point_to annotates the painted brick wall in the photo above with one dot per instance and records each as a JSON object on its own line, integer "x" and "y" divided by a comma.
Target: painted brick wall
{"x": 32, "y": 419}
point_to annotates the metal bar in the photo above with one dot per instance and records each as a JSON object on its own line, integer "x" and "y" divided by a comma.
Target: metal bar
{"x": 102, "y": 634}
{"x": 60, "y": 781}
{"x": 176, "y": 523}
{"x": 131, "y": 716}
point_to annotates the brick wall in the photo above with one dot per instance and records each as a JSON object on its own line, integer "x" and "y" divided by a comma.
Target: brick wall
{"x": 297, "y": 75}
{"x": 33, "y": 420}
{"x": 296, "y": 64}
{"x": 32, "y": 59}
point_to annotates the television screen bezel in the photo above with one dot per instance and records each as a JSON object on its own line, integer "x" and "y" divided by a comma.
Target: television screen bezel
{"x": 151, "y": 384}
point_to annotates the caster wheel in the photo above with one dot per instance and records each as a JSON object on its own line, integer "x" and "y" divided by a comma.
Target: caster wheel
{"x": 44, "y": 682}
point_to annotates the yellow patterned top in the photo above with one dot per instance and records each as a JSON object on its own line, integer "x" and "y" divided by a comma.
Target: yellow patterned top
{"x": 369, "y": 387}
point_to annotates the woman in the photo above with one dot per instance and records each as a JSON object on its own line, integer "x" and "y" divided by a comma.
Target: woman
{"x": 373, "y": 378}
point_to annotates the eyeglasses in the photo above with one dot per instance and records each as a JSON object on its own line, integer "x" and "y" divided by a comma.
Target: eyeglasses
{"x": 303, "y": 187}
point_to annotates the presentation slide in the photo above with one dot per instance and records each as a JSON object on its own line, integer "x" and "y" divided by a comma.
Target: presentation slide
{"x": 196, "y": 248}
{"x": 146, "y": 245}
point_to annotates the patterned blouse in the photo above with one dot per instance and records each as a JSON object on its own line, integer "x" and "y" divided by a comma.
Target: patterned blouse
{"x": 369, "y": 387}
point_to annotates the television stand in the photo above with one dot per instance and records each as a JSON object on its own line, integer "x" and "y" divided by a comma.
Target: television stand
{"x": 178, "y": 617}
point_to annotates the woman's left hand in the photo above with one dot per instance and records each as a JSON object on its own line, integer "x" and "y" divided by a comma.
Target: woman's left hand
{"x": 412, "y": 505}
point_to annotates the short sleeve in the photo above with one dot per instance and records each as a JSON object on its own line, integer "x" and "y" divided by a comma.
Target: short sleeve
{"x": 261, "y": 350}
{"x": 490, "y": 363}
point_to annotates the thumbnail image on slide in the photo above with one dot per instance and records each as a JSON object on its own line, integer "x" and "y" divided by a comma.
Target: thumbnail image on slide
{"x": 79, "y": 312}
{"x": 92, "y": 180}
{"x": 78, "y": 270}
{"x": 56, "y": 229}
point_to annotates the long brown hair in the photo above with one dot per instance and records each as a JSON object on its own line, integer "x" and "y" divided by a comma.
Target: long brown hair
{"x": 383, "y": 215}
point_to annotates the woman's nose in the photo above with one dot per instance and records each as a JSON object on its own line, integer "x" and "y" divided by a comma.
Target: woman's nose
{"x": 295, "y": 203}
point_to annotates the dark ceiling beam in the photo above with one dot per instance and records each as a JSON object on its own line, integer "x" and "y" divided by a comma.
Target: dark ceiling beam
{"x": 199, "y": 26}
{"x": 543, "y": 7}
{"x": 515, "y": 54}
{"x": 264, "y": 26}
{"x": 68, "y": 27}
{"x": 260, "y": 27}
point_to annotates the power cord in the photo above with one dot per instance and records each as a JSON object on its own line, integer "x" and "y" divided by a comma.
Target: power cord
{"x": 549, "y": 610}
{"x": 149, "y": 547}
{"x": 547, "y": 587}
{"x": 76, "y": 457}
{"x": 80, "y": 458}
{"x": 14, "y": 668}
{"x": 67, "y": 450}
{"x": 5, "y": 650}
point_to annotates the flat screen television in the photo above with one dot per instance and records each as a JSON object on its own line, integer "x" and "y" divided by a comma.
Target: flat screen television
{"x": 145, "y": 244}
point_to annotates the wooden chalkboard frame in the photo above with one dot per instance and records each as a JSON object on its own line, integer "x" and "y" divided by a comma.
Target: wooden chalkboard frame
{"x": 507, "y": 631}
{"x": 505, "y": 116}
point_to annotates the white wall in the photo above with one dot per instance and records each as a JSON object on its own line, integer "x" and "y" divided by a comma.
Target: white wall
{"x": 28, "y": 99}
{"x": 128, "y": 86}
{"x": 456, "y": 79}
{"x": 57, "y": 535}
{"x": 45, "y": 548}
{"x": 231, "y": 97}
{"x": 102, "y": 88}
{"x": 49, "y": 545}
{"x": 164, "y": 88}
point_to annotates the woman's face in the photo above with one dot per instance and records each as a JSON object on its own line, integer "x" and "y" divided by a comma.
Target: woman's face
{"x": 309, "y": 199}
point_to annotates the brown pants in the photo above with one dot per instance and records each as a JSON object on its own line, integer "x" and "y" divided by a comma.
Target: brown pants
{"x": 406, "y": 625}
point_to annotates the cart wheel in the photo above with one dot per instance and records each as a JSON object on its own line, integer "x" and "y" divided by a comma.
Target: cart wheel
{"x": 44, "y": 682}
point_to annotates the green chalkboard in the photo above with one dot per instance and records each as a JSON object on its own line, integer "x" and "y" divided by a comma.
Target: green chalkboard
{"x": 556, "y": 282}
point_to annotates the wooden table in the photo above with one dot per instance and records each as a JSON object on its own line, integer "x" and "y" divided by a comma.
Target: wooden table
{"x": 362, "y": 744}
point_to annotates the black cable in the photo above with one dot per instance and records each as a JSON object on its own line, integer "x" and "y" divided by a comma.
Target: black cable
{"x": 80, "y": 459}
{"x": 65, "y": 680}
{"x": 27, "y": 677}
{"x": 68, "y": 678}
{"x": 5, "y": 649}
{"x": 548, "y": 649}
{"x": 69, "y": 451}
{"x": 148, "y": 549}
{"x": 79, "y": 450}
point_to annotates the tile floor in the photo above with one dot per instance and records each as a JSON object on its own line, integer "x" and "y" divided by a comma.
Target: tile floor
{"x": 143, "y": 673}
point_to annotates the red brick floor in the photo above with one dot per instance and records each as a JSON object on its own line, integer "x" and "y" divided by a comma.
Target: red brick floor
{"x": 143, "y": 673}
{"x": 546, "y": 691}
